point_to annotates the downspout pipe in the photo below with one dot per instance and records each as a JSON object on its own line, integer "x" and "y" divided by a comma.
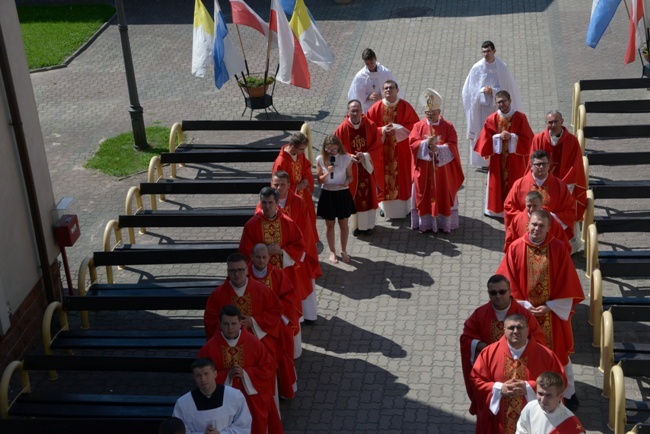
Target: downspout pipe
{"x": 21, "y": 143}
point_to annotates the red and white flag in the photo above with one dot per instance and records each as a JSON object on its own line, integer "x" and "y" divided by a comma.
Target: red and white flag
{"x": 244, "y": 15}
{"x": 637, "y": 30}
{"x": 293, "y": 64}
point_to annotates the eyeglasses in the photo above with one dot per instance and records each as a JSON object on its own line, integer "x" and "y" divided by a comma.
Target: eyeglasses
{"x": 332, "y": 149}
{"x": 236, "y": 270}
{"x": 539, "y": 164}
{"x": 516, "y": 327}
{"x": 501, "y": 101}
{"x": 500, "y": 292}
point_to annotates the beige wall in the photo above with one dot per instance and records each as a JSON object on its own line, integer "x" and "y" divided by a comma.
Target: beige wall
{"x": 19, "y": 264}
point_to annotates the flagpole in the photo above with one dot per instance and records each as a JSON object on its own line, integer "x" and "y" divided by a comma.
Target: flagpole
{"x": 268, "y": 49}
{"x": 241, "y": 44}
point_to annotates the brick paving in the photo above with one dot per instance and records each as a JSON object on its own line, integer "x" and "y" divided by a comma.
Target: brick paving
{"x": 383, "y": 356}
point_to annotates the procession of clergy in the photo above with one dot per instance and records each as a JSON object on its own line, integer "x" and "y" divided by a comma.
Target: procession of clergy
{"x": 511, "y": 347}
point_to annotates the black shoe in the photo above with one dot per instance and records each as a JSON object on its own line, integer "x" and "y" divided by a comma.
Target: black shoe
{"x": 369, "y": 232}
{"x": 381, "y": 213}
{"x": 356, "y": 232}
{"x": 309, "y": 322}
{"x": 572, "y": 403}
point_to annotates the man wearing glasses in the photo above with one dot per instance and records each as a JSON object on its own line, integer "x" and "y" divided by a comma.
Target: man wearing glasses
{"x": 394, "y": 119}
{"x": 488, "y": 76}
{"x": 485, "y": 326}
{"x": 556, "y": 197}
{"x": 505, "y": 139}
{"x": 544, "y": 280}
{"x": 504, "y": 376}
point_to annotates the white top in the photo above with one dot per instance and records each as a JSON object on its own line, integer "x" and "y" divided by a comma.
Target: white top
{"x": 366, "y": 83}
{"x": 534, "y": 420}
{"x": 340, "y": 165}
{"x": 229, "y": 416}
{"x": 478, "y": 105}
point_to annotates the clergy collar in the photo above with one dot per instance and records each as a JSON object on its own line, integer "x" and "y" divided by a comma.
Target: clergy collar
{"x": 516, "y": 353}
{"x": 259, "y": 273}
{"x": 282, "y": 202}
{"x": 538, "y": 181}
{"x": 503, "y": 310}
{"x": 232, "y": 342}
{"x": 506, "y": 115}
{"x": 239, "y": 288}
{"x": 536, "y": 243}
{"x": 356, "y": 126}
{"x": 390, "y": 104}
{"x": 433, "y": 123}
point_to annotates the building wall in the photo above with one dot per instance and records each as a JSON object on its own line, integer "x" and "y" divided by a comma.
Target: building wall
{"x": 21, "y": 290}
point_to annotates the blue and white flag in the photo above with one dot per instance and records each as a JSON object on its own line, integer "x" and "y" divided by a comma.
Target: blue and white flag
{"x": 602, "y": 12}
{"x": 227, "y": 60}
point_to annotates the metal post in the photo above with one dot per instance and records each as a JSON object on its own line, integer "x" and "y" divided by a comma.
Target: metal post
{"x": 135, "y": 110}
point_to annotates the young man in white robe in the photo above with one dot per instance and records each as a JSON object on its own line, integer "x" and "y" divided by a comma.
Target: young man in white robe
{"x": 488, "y": 76}
{"x": 366, "y": 86}
{"x": 212, "y": 408}
{"x": 548, "y": 415}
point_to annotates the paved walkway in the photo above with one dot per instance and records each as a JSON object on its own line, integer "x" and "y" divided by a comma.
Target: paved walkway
{"x": 384, "y": 354}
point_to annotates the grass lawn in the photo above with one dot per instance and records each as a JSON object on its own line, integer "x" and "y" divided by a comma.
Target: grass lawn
{"x": 116, "y": 156}
{"x": 52, "y": 33}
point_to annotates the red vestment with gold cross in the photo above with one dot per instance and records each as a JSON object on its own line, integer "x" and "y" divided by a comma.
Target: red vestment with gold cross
{"x": 495, "y": 364}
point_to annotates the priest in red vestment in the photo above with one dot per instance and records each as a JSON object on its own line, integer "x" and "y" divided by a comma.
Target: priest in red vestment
{"x": 433, "y": 140}
{"x": 544, "y": 279}
{"x": 260, "y": 270}
{"x": 361, "y": 140}
{"x": 292, "y": 160}
{"x": 504, "y": 375}
{"x": 565, "y": 158}
{"x": 284, "y": 239}
{"x": 556, "y": 197}
{"x": 505, "y": 138}
{"x": 244, "y": 363}
{"x": 485, "y": 326}
{"x": 518, "y": 226}
{"x": 295, "y": 208}
{"x": 394, "y": 119}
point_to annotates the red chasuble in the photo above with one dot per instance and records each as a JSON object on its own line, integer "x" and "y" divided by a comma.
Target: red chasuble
{"x": 566, "y": 164}
{"x": 297, "y": 210}
{"x": 285, "y": 232}
{"x": 394, "y": 176}
{"x": 542, "y": 273}
{"x": 556, "y": 198}
{"x": 283, "y": 289}
{"x": 365, "y": 139}
{"x": 298, "y": 170}
{"x": 435, "y": 198}
{"x": 495, "y": 364}
{"x": 518, "y": 227}
{"x": 252, "y": 356}
{"x": 258, "y": 301}
{"x": 484, "y": 326}
{"x": 504, "y": 168}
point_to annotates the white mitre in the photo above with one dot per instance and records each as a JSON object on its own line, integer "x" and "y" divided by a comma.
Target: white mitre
{"x": 430, "y": 100}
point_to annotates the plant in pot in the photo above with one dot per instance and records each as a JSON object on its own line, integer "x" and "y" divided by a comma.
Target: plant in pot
{"x": 646, "y": 53}
{"x": 255, "y": 85}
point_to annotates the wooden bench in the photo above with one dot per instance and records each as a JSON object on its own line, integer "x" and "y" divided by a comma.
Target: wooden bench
{"x": 620, "y": 189}
{"x": 622, "y": 411}
{"x": 601, "y": 84}
{"x": 181, "y": 152}
{"x": 31, "y": 411}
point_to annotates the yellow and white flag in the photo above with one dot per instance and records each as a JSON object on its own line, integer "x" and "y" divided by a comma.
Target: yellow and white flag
{"x": 311, "y": 40}
{"x": 203, "y": 40}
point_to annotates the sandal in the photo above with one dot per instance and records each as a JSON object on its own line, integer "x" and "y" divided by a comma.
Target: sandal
{"x": 345, "y": 257}
{"x": 333, "y": 258}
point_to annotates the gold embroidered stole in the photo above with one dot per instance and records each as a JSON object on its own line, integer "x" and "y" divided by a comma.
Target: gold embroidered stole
{"x": 543, "y": 190}
{"x": 272, "y": 234}
{"x": 243, "y": 303}
{"x": 512, "y": 406}
{"x": 363, "y": 195}
{"x": 538, "y": 278}
{"x": 232, "y": 356}
{"x": 504, "y": 124}
{"x": 391, "y": 166}
{"x": 496, "y": 330}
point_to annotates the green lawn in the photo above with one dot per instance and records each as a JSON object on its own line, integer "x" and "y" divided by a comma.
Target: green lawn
{"x": 116, "y": 156}
{"x": 52, "y": 33}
